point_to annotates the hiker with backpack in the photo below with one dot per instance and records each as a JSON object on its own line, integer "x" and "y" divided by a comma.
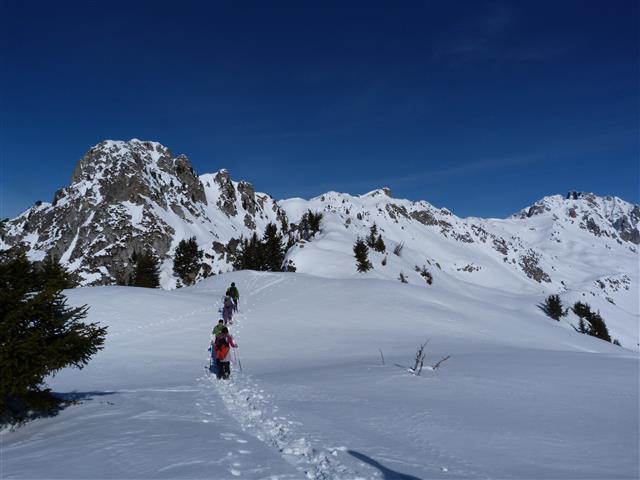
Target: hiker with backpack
{"x": 218, "y": 328}
{"x": 222, "y": 350}
{"x": 227, "y": 310}
{"x": 233, "y": 292}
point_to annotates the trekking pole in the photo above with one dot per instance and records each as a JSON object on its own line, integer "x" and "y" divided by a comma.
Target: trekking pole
{"x": 237, "y": 360}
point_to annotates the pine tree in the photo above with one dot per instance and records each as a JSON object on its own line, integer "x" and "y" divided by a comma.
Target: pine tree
{"x": 552, "y": 306}
{"x": 250, "y": 254}
{"x": 361, "y": 252}
{"x": 582, "y": 327}
{"x": 146, "y": 272}
{"x": 372, "y": 238}
{"x": 53, "y": 274}
{"x": 291, "y": 241}
{"x": 582, "y": 310}
{"x": 39, "y": 333}
{"x": 314, "y": 221}
{"x": 597, "y": 327}
{"x": 309, "y": 224}
{"x": 379, "y": 245}
{"x": 304, "y": 227}
{"x": 187, "y": 260}
{"x": 273, "y": 251}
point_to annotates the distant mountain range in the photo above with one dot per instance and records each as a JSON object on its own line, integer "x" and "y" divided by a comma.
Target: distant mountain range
{"x": 125, "y": 196}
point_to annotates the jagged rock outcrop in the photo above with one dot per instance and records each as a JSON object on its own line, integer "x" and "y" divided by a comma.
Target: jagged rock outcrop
{"x": 128, "y": 196}
{"x": 601, "y": 216}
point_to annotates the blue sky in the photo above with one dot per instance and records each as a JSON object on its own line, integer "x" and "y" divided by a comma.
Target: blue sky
{"x": 481, "y": 107}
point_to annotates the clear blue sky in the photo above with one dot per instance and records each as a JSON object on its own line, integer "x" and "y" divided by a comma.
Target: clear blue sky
{"x": 481, "y": 107}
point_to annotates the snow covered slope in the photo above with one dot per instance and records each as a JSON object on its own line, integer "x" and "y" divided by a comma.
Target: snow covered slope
{"x": 546, "y": 251}
{"x": 522, "y": 396}
{"x": 127, "y": 196}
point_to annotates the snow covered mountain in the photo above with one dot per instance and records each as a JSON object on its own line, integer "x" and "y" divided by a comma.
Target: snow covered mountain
{"x": 125, "y": 196}
{"x": 320, "y": 387}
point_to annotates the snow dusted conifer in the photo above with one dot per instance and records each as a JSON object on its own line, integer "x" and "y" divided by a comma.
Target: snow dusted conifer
{"x": 597, "y": 327}
{"x": 372, "y": 237}
{"x": 361, "y": 252}
{"x": 314, "y": 221}
{"x": 187, "y": 260}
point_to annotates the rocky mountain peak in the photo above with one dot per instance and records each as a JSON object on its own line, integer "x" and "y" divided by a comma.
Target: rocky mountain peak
{"x": 384, "y": 192}
{"x": 602, "y": 216}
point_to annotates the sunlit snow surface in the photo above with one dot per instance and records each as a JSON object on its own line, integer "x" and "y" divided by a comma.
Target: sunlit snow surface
{"x": 522, "y": 396}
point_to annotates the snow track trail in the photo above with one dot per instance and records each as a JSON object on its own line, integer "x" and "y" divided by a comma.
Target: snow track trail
{"x": 255, "y": 411}
{"x": 521, "y": 397}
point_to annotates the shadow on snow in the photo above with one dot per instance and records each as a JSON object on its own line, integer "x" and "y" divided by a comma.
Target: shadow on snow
{"x": 387, "y": 473}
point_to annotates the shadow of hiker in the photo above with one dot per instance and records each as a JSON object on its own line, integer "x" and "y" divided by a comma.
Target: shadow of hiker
{"x": 387, "y": 473}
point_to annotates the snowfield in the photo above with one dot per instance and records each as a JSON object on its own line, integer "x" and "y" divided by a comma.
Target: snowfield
{"x": 522, "y": 396}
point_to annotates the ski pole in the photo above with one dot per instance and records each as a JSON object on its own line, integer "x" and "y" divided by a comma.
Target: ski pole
{"x": 237, "y": 360}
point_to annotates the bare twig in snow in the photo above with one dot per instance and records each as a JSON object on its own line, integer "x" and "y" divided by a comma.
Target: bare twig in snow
{"x": 420, "y": 354}
{"x": 440, "y": 362}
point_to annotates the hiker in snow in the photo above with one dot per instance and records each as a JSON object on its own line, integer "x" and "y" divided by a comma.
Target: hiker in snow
{"x": 233, "y": 292}
{"x": 222, "y": 350}
{"x": 227, "y": 310}
{"x": 218, "y": 328}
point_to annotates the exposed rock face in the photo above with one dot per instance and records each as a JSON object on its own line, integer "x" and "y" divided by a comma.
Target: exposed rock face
{"x": 127, "y": 196}
{"x": 602, "y": 216}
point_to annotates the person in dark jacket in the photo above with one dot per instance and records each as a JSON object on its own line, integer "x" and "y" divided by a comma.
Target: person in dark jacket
{"x": 233, "y": 292}
{"x": 227, "y": 310}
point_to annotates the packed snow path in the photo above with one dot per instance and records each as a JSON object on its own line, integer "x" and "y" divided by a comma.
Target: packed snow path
{"x": 521, "y": 397}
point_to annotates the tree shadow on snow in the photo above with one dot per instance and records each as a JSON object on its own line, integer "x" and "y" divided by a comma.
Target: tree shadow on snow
{"x": 75, "y": 397}
{"x": 41, "y": 404}
{"x": 387, "y": 473}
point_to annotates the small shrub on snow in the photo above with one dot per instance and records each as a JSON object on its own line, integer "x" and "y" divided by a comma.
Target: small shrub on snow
{"x": 424, "y": 273}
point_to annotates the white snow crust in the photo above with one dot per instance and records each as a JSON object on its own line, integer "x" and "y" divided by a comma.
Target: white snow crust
{"x": 521, "y": 397}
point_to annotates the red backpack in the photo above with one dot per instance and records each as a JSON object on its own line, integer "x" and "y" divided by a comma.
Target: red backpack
{"x": 221, "y": 347}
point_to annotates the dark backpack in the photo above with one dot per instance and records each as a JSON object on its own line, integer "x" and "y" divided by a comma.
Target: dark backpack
{"x": 221, "y": 347}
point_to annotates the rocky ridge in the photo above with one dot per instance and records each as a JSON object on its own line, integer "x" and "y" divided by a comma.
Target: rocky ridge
{"x": 127, "y": 196}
